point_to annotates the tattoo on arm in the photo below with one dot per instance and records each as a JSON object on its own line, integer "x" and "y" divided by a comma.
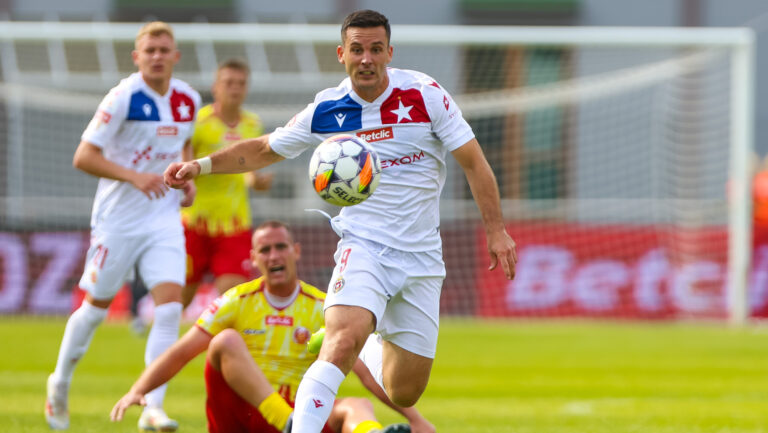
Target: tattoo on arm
{"x": 241, "y": 160}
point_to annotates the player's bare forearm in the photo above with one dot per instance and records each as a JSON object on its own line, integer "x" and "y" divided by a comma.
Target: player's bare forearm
{"x": 485, "y": 191}
{"x": 362, "y": 372}
{"x": 90, "y": 159}
{"x": 247, "y": 155}
{"x": 162, "y": 369}
{"x": 482, "y": 183}
{"x": 243, "y": 156}
{"x": 165, "y": 367}
{"x": 418, "y": 423}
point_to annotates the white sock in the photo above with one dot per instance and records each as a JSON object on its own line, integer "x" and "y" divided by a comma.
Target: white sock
{"x": 315, "y": 396}
{"x": 371, "y": 355}
{"x": 77, "y": 337}
{"x": 165, "y": 331}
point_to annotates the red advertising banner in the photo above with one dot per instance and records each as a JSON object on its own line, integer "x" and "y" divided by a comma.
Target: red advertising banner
{"x": 39, "y": 272}
{"x": 619, "y": 271}
{"x": 623, "y": 271}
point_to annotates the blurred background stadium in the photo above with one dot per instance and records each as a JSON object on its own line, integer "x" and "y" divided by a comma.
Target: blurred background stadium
{"x": 624, "y": 157}
{"x": 612, "y": 147}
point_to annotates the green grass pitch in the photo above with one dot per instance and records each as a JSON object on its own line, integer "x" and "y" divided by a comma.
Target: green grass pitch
{"x": 489, "y": 376}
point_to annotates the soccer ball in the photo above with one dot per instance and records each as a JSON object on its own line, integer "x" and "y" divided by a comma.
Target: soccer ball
{"x": 344, "y": 170}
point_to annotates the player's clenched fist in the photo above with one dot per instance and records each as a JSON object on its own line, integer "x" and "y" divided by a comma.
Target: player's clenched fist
{"x": 178, "y": 173}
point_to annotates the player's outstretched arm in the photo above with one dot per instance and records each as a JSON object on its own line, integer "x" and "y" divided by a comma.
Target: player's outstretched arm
{"x": 482, "y": 183}
{"x": 418, "y": 423}
{"x": 90, "y": 159}
{"x": 246, "y": 155}
{"x": 162, "y": 369}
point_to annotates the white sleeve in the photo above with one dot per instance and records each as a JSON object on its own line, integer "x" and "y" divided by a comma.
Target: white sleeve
{"x": 109, "y": 117}
{"x": 296, "y": 136}
{"x": 447, "y": 121}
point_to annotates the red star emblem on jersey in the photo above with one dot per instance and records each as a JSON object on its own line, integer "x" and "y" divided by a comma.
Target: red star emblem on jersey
{"x": 182, "y": 107}
{"x": 404, "y": 106}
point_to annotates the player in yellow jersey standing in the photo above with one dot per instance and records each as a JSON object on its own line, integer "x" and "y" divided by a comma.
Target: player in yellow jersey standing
{"x": 218, "y": 224}
{"x": 256, "y": 335}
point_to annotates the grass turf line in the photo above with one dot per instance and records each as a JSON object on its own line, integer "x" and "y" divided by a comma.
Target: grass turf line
{"x": 489, "y": 376}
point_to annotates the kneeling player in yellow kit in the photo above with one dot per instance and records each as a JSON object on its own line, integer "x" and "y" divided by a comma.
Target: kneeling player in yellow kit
{"x": 256, "y": 335}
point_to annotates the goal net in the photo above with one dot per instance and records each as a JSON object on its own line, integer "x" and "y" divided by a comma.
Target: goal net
{"x": 622, "y": 156}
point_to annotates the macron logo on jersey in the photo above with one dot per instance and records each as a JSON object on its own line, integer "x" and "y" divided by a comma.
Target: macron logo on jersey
{"x": 337, "y": 116}
{"x": 142, "y": 108}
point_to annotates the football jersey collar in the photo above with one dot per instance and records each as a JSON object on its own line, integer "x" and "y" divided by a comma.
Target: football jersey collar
{"x": 381, "y": 98}
{"x": 146, "y": 87}
{"x": 279, "y": 302}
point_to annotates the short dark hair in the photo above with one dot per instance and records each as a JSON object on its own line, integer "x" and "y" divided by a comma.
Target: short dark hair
{"x": 275, "y": 224}
{"x": 365, "y": 18}
{"x": 236, "y": 64}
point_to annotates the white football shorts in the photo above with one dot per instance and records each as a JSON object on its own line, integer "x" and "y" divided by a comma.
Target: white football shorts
{"x": 159, "y": 256}
{"x": 401, "y": 288}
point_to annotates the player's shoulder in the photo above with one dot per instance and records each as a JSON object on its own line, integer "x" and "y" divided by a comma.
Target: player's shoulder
{"x": 334, "y": 93}
{"x": 408, "y": 78}
{"x": 183, "y": 86}
{"x": 429, "y": 89}
{"x": 127, "y": 86}
{"x": 311, "y": 292}
{"x": 205, "y": 113}
{"x": 245, "y": 290}
{"x": 249, "y": 117}
{"x": 120, "y": 95}
{"x": 133, "y": 81}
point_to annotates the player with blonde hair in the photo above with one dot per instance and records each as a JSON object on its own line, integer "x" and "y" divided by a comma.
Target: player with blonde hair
{"x": 142, "y": 124}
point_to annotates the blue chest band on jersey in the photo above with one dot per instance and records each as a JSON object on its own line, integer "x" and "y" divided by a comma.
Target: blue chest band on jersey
{"x": 142, "y": 107}
{"x": 337, "y": 116}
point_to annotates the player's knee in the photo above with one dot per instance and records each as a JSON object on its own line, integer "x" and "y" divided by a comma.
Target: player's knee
{"x": 341, "y": 348}
{"x": 164, "y": 293}
{"x": 224, "y": 341}
{"x": 405, "y": 400}
{"x": 404, "y": 394}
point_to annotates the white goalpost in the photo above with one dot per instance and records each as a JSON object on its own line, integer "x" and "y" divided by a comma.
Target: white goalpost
{"x": 623, "y": 155}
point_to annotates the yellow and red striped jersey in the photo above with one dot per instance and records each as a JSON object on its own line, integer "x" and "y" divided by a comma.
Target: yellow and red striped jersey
{"x": 221, "y": 204}
{"x": 277, "y": 338}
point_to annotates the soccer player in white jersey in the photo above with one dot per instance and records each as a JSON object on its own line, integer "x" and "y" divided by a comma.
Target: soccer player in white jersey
{"x": 389, "y": 267}
{"x": 142, "y": 124}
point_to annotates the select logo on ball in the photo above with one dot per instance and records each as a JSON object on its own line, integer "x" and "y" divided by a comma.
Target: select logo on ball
{"x": 344, "y": 170}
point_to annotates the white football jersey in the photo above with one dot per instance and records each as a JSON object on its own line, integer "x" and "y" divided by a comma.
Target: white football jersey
{"x": 139, "y": 129}
{"x": 412, "y": 126}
